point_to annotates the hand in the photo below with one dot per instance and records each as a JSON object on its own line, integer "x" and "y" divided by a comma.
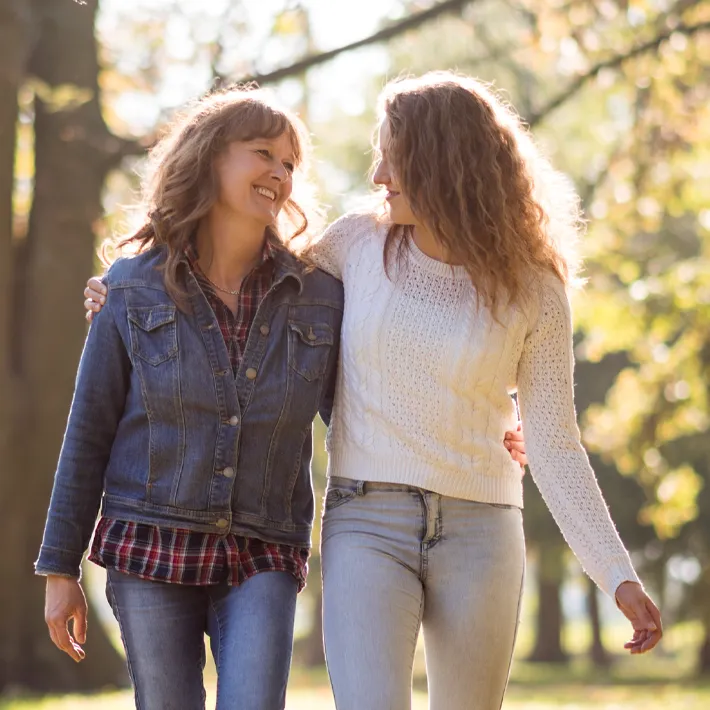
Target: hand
{"x": 515, "y": 443}
{"x": 64, "y": 600}
{"x": 643, "y": 614}
{"x": 95, "y": 295}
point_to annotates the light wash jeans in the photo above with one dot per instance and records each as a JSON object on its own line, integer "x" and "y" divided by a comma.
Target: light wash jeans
{"x": 395, "y": 558}
{"x": 163, "y": 627}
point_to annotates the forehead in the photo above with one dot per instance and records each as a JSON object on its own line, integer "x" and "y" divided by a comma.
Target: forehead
{"x": 384, "y": 134}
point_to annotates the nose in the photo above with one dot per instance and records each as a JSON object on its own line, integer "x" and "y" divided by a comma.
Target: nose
{"x": 381, "y": 175}
{"x": 279, "y": 173}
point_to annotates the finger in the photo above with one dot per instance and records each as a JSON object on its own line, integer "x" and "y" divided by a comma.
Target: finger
{"x": 97, "y": 296}
{"x": 95, "y": 284}
{"x": 515, "y": 436}
{"x": 91, "y": 305}
{"x": 62, "y": 640}
{"x": 79, "y": 627}
{"x": 89, "y": 315}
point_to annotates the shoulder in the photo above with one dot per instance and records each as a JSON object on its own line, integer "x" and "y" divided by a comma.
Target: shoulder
{"x": 353, "y": 225}
{"x": 140, "y": 270}
{"x": 551, "y": 302}
{"x": 319, "y": 283}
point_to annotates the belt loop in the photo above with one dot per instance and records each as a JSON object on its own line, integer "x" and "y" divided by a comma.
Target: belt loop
{"x": 361, "y": 488}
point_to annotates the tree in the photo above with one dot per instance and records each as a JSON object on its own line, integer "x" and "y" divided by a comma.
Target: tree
{"x": 72, "y": 155}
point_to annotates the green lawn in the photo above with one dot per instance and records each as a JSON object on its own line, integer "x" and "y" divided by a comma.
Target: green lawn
{"x": 670, "y": 696}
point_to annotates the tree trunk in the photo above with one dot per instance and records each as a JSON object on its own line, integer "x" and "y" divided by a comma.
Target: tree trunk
{"x": 73, "y": 153}
{"x": 704, "y": 655}
{"x": 597, "y": 652}
{"x": 548, "y": 641}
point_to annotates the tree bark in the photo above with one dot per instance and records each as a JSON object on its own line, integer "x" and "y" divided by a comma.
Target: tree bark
{"x": 597, "y": 652}
{"x": 73, "y": 153}
{"x": 548, "y": 641}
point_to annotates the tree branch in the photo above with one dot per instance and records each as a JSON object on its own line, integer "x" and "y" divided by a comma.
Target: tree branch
{"x": 410, "y": 23}
{"x": 612, "y": 63}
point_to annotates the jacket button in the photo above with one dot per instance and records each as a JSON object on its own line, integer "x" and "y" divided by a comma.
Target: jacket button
{"x": 228, "y": 472}
{"x": 251, "y": 373}
{"x": 222, "y": 523}
{"x": 233, "y": 420}
{"x": 264, "y": 330}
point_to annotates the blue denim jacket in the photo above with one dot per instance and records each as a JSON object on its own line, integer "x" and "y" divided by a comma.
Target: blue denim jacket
{"x": 160, "y": 431}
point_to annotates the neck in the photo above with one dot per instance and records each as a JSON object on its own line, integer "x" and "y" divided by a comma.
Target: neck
{"x": 229, "y": 247}
{"x": 428, "y": 244}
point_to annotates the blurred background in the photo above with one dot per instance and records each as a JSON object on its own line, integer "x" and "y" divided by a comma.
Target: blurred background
{"x": 617, "y": 93}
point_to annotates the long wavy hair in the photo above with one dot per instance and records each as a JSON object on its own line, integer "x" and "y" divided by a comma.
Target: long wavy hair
{"x": 181, "y": 183}
{"x": 475, "y": 179}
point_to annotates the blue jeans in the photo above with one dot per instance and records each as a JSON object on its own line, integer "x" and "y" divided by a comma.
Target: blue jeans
{"x": 396, "y": 558}
{"x": 250, "y": 629}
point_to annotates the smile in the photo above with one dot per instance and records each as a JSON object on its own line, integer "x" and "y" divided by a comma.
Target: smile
{"x": 265, "y": 192}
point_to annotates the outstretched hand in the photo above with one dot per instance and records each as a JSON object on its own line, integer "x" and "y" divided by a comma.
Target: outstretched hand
{"x": 643, "y": 614}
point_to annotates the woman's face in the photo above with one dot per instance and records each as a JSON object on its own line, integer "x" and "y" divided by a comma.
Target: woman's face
{"x": 255, "y": 177}
{"x": 397, "y": 205}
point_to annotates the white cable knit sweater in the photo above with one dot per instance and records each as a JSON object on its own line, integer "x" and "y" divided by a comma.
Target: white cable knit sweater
{"x": 423, "y": 392}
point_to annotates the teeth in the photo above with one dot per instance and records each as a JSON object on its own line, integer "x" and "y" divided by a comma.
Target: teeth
{"x": 266, "y": 193}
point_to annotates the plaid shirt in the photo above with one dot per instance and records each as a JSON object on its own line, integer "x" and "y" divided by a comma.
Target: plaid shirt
{"x": 186, "y": 557}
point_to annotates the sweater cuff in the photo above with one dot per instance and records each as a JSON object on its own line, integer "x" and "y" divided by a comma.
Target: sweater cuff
{"x": 621, "y": 570}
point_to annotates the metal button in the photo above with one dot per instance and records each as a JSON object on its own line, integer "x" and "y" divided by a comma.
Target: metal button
{"x": 222, "y": 523}
{"x": 264, "y": 330}
{"x": 311, "y": 334}
{"x": 234, "y": 420}
{"x": 251, "y": 373}
{"x": 228, "y": 472}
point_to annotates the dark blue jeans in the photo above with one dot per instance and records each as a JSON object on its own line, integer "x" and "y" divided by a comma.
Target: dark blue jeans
{"x": 250, "y": 629}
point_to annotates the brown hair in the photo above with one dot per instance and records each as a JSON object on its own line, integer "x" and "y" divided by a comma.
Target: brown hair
{"x": 474, "y": 178}
{"x": 182, "y": 185}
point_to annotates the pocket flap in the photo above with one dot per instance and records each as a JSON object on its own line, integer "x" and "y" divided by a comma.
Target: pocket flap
{"x": 313, "y": 333}
{"x": 151, "y": 317}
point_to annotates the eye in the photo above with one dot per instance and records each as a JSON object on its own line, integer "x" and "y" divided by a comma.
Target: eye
{"x": 264, "y": 152}
{"x": 289, "y": 166}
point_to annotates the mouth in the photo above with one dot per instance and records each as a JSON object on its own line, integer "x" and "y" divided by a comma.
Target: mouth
{"x": 265, "y": 192}
{"x": 391, "y": 194}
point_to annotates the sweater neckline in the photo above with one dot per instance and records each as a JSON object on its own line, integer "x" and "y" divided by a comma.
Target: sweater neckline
{"x": 437, "y": 268}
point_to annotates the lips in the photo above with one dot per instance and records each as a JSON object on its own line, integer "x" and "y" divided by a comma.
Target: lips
{"x": 391, "y": 194}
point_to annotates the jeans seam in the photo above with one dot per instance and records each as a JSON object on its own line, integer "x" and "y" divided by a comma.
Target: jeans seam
{"x": 515, "y": 635}
{"x": 125, "y": 645}
{"x": 218, "y": 660}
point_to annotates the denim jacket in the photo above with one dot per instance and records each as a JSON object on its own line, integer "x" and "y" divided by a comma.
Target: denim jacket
{"x": 160, "y": 431}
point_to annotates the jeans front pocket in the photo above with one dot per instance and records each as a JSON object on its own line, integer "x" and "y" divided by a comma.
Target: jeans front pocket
{"x": 153, "y": 332}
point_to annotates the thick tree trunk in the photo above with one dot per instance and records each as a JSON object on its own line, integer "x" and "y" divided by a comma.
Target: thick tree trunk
{"x": 597, "y": 652}
{"x": 548, "y": 641}
{"x": 73, "y": 153}
{"x": 14, "y": 50}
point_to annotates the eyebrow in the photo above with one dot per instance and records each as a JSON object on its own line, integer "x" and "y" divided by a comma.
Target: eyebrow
{"x": 271, "y": 141}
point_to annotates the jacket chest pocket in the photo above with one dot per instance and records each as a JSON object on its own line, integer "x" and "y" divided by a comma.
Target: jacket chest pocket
{"x": 153, "y": 333}
{"x": 309, "y": 346}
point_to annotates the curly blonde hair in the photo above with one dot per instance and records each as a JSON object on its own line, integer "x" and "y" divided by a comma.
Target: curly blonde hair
{"x": 182, "y": 186}
{"x": 474, "y": 178}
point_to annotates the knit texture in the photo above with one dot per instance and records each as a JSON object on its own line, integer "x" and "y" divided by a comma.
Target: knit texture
{"x": 424, "y": 385}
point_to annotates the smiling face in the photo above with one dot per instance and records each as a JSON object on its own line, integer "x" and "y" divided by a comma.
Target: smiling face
{"x": 397, "y": 206}
{"x": 255, "y": 178}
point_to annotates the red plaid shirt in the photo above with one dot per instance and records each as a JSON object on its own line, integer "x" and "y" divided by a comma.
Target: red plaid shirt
{"x": 186, "y": 557}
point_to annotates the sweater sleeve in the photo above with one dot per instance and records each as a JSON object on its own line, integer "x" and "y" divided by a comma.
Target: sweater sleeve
{"x": 558, "y": 461}
{"x": 330, "y": 250}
